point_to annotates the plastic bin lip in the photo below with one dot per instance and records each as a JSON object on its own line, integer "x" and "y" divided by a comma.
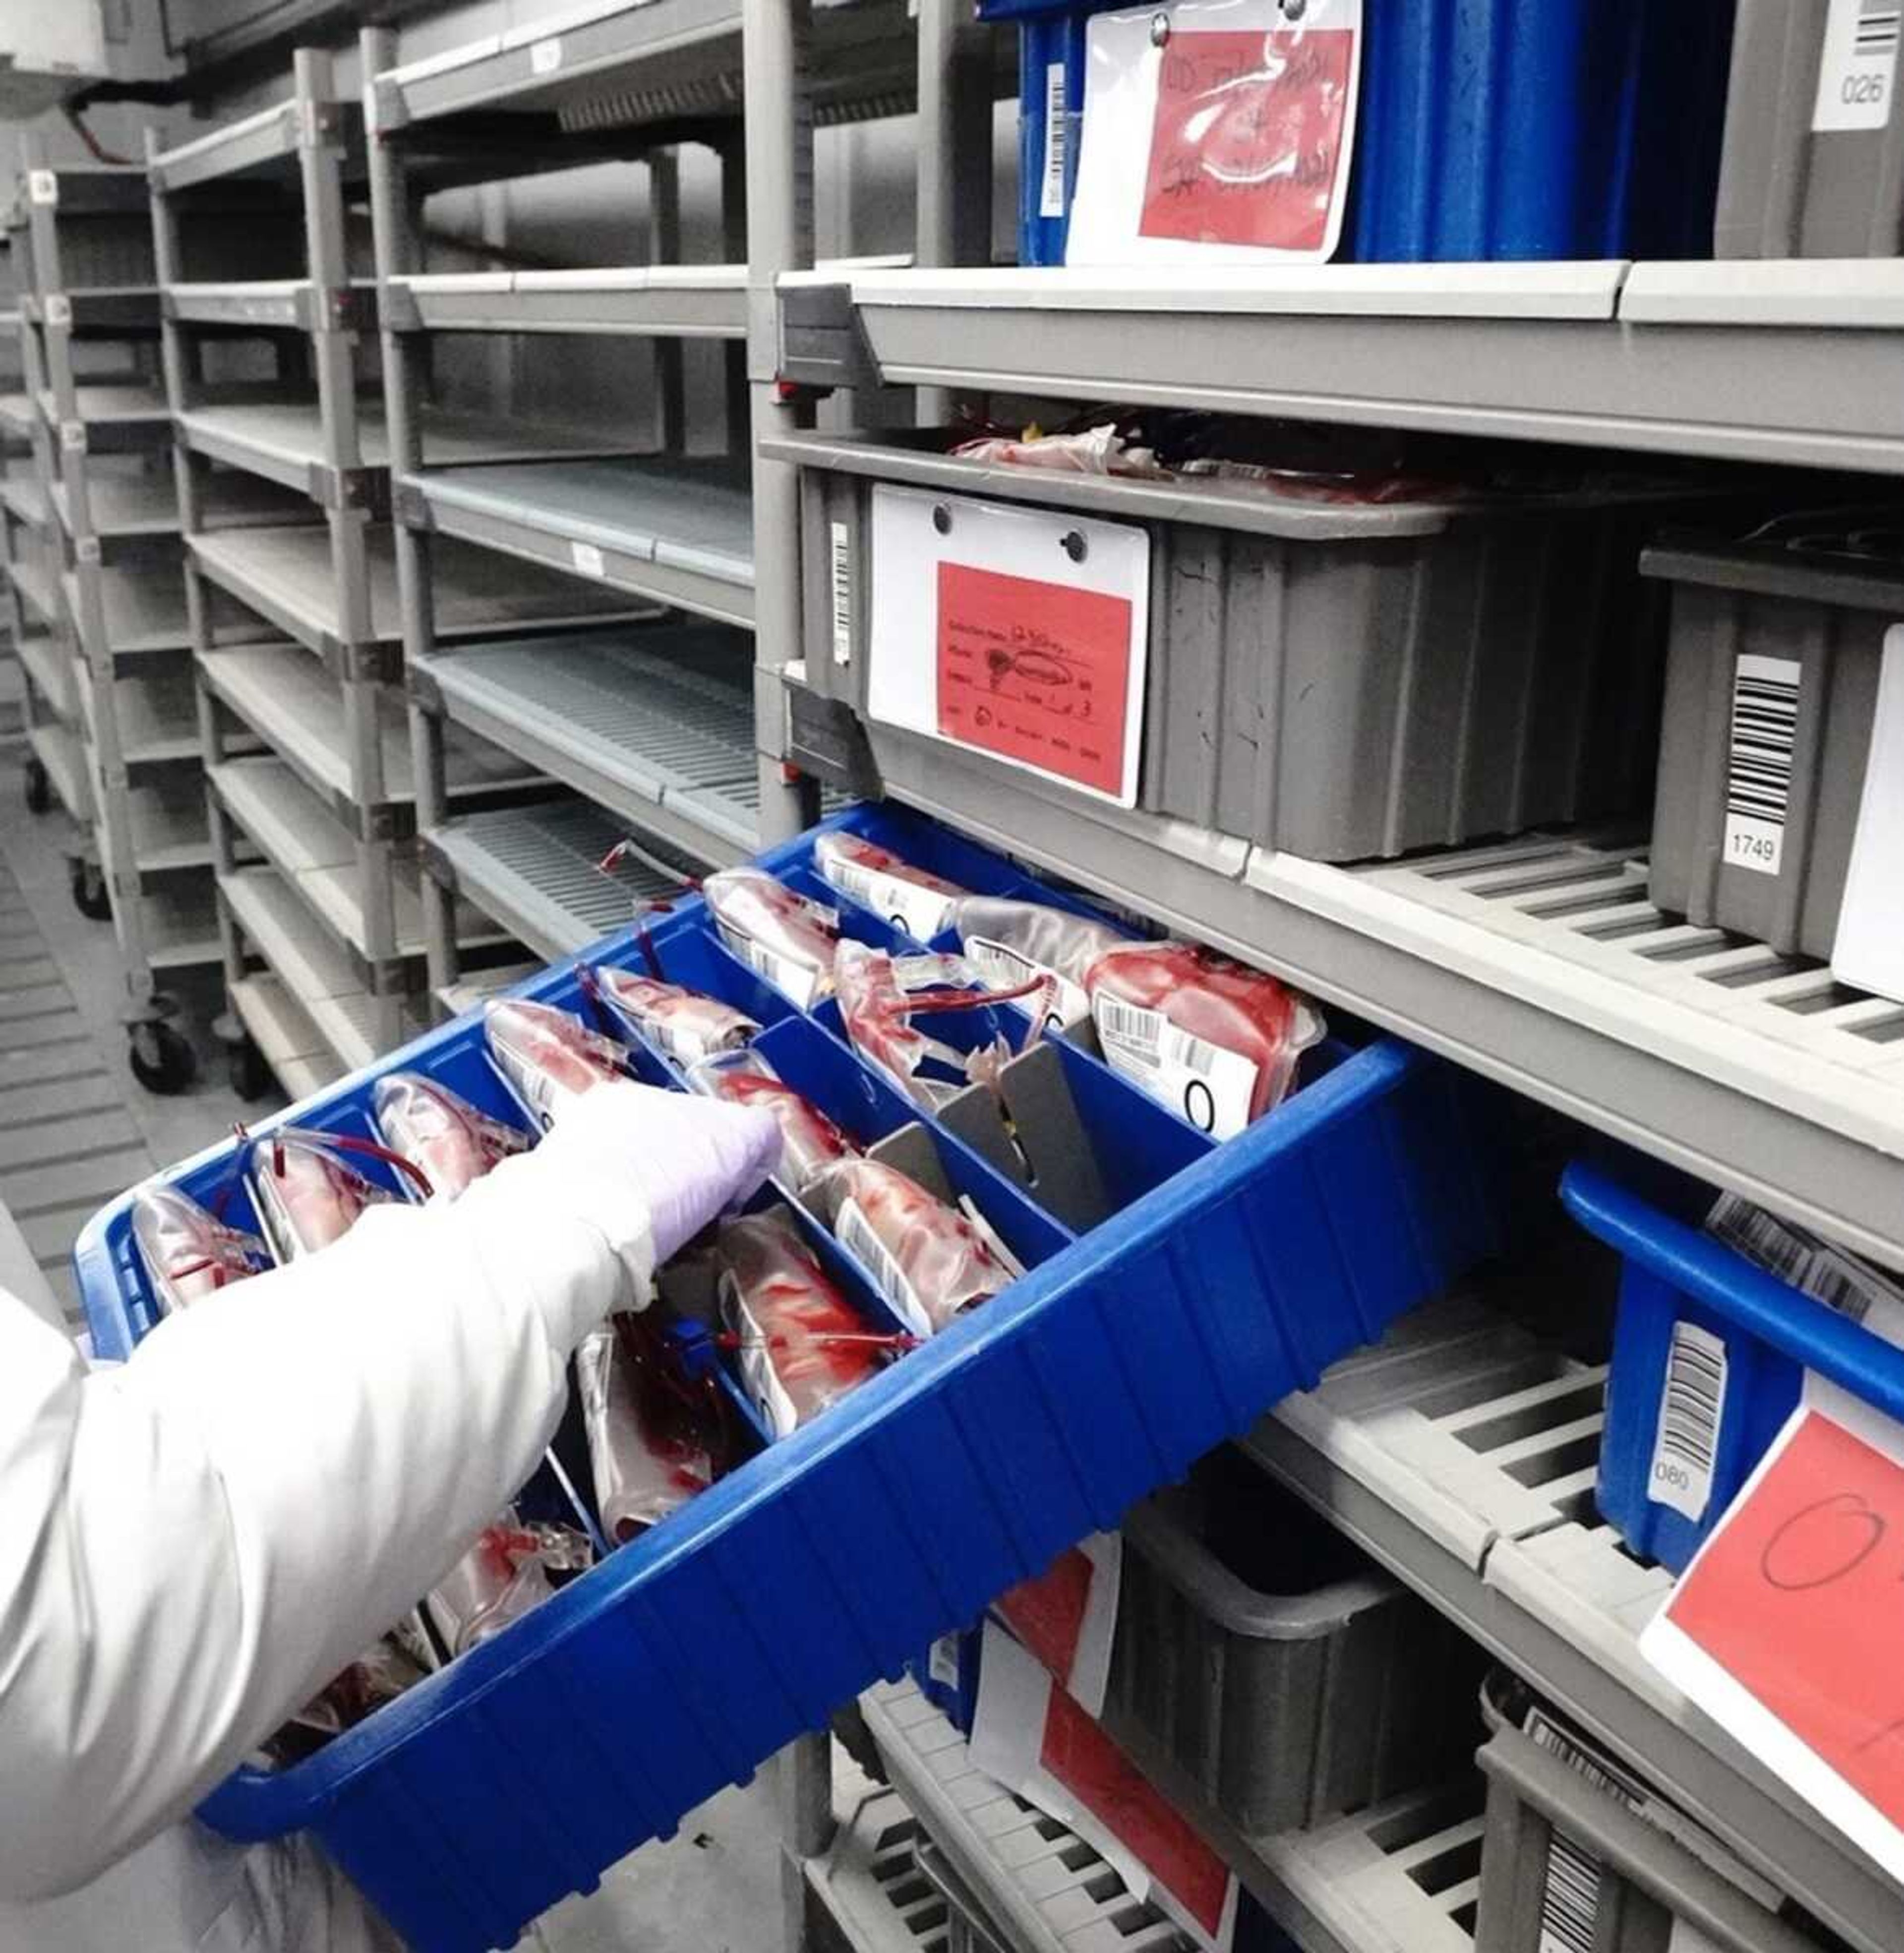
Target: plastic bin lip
{"x": 1717, "y": 1277}
{"x": 1769, "y": 569}
{"x": 1230, "y": 1601}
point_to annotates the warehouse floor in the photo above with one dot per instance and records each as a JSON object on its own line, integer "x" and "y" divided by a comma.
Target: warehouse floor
{"x": 77, "y": 1128}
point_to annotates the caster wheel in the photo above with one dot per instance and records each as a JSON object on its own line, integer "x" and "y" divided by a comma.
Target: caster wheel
{"x": 162, "y": 1058}
{"x": 90, "y": 895}
{"x": 39, "y": 789}
{"x": 251, "y": 1076}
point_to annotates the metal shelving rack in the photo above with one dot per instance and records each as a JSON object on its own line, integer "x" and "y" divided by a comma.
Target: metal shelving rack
{"x": 107, "y": 589}
{"x": 657, "y": 725}
{"x": 333, "y": 910}
{"x": 1539, "y": 962}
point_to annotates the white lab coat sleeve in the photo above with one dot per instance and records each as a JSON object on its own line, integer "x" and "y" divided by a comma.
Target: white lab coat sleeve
{"x": 193, "y": 1543}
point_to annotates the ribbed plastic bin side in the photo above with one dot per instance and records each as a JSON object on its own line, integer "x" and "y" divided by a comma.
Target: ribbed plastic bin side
{"x": 1567, "y": 1862}
{"x": 1574, "y": 129}
{"x": 1286, "y": 1676}
{"x": 1340, "y": 682}
{"x": 1813, "y": 164}
{"x": 684, "y": 1660}
{"x": 1788, "y": 629}
{"x": 1704, "y": 1334}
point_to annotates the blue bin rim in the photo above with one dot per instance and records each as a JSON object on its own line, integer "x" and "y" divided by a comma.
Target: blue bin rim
{"x": 1610, "y": 1206}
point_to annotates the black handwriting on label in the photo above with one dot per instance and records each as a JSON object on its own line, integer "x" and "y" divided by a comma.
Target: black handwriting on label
{"x": 1822, "y": 1543}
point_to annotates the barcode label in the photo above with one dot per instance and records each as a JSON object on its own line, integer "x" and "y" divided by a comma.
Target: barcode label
{"x": 1570, "y": 1907}
{"x": 1812, "y": 1265}
{"x": 587, "y": 559}
{"x": 545, "y": 56}
{"x": 1857, "y": 65}
{"x": 912, "y": 910}
{"x": 1064, "y": 1002}
{"x": 757, "y": 1372}
{"x": 840, "y": 544}
{"x": 1692, "y": 1408}
{"x": 1050, "y": 188}
{"x": 1211, "y": 1087}
{"x": 854, "y": 1232}
{"x": 1599, "y": 1768}
{"x": 42, "y": 187}
{"x": 800, "y": 981}
{"x": 1758, "y": 777}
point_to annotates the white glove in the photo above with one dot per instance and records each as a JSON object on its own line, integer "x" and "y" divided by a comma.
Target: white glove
{"x": 678, "y": 1160}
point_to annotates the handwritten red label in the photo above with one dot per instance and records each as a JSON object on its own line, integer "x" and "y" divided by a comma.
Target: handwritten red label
{"x": 1800, "y": 1595}
{"x": 1048, "y": 1613}
{"x": 1035, "y": 672}
{"x": 1246, "y": 144}
{"x": 1083, "y": 1758}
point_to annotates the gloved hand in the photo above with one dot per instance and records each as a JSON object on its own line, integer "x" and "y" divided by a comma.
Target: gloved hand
{"x": 684, "y": 1159}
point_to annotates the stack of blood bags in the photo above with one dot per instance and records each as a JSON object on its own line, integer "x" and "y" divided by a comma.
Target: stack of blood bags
{"x": 499, "y": 1579}
{"x": 879, "y": 996}
{"x": 439, "y": 1134}
{"x": 546, "y": 1055}
{"x": 189, "y": 1253}
{"x": 655, "y": 1435}
{"x": 778, "y": 933}
{"x": 1207, "y": 1037}
{"x": 306, "y": 1194}
{"x": 927, "y": 1260}
{"x": 808, "y": 1139}
{"x": 685, "y": 1023}
{"x": 801, "y": 1345}
{"x": 915, "y": 902}
{"x": 1009, "y": 942}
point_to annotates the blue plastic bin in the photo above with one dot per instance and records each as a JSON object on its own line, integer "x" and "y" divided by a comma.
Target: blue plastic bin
{"x": 1676, "y": 1272}
{"x": 1486, "y": 129}
{"x": 521, "y": 1772}
{"x": 1492, "y": 129}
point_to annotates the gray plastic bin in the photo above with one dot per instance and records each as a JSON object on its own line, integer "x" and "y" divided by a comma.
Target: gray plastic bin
{"x": 1285, "y": 1674}
{"x": 1772, "y": 754}
{"x": 1790, "y": 189}
{"x": 1568, "y": 1861}
{"x": 1341, "y": 680}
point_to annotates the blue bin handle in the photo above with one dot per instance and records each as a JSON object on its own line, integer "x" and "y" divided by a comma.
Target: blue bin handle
{"x": 1840, "y": 1349}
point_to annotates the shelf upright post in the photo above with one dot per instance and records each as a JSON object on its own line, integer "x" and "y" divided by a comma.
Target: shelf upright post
{"x": 954, "y": 181}
{"x": 333, "y": 351}
{"x": 664, "y": 248}
{"x": 399, "y": 250}
{"x": 776, "y": 35}
{"x": 732, "y": 152}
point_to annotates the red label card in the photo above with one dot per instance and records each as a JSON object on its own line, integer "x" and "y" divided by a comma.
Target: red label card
{"x": 1799, "y": 1596}
{"x": 1246, "y": 144}
{"x": 1035, "y": 672}
{"x": 1048, "y": 1614}
{"x": 1083, "y": 1758}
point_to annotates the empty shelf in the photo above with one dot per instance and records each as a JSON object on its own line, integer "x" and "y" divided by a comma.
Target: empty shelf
{"x": 58, "y": 749}
{"x": 178, "y": 922}
{"x": 537, "y": 870}
{"x": 37, "y": 585}
{"x": 146, "y": 503}
{"x": 298, "y": 834}
{"x": 157, "y": 719}
{"x": 319, "y": 976}
{"x": 143, "y": 610}
{"x": 48, "y": 663}
{"x": 288, "y": 575}
{"x": 298, "y": 709}
{"x": 678, "y": 530}
{"x": 679, "y": 301}
{"x": 166, "y": 817}
{"x": 23, "y": 499}
{"x": 474, "y": 985}
{"x": 292, "y": 303}
{"x": 124, "y": 404}
{"x": 287, "y": 1039}
{"x": 656, "y": 725}
{"x": 281, "y": 437}
{"x": 267, "y": 138}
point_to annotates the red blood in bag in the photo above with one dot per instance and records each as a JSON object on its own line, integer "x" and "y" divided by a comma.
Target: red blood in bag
{"x": 189, "y": 1252}
{"x": 1209, "y": 998}
{"x": 808, "y": 1139}
{"x": 926, "y": 1259}
{"x": 802, "y": 1347}
{"x": 686, "y": 1024}
{"x": 439, "y": 1131}
{"x": 655, "y": 1437}
{"x": 306, "y": 1195}
{"x": 789, "y": 940}
{"x": 546, "y": 1055}
{"x": 913, "y": 900}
